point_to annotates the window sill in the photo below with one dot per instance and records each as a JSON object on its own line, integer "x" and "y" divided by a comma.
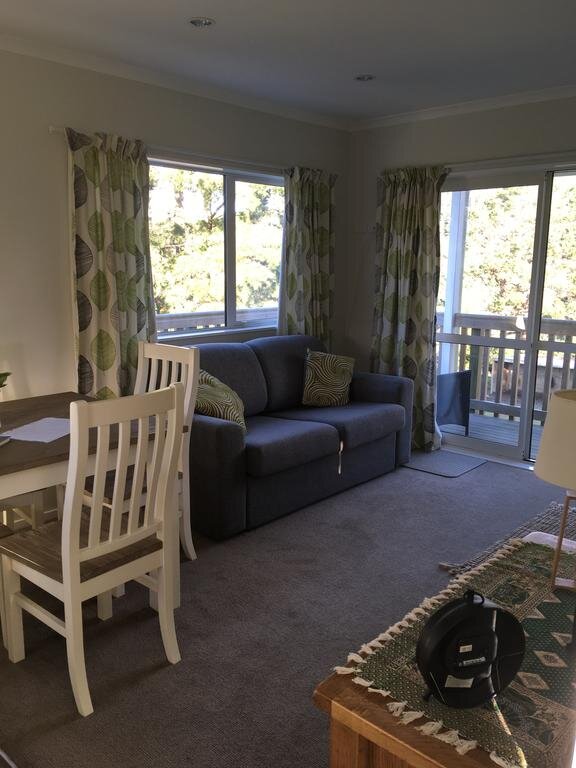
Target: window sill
{"x": 217, "y": 335}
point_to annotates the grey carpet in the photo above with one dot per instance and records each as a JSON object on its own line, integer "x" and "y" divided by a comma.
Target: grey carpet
{"x": 444, "y": 463}
{"x": 264, "y": 618}
{"x": 547, "y": 521}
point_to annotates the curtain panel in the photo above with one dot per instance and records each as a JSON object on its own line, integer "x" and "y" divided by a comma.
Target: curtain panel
{"x": 406, "y": 288}
{"x": 112, "y": 271}
{"x": 307, "y": 273}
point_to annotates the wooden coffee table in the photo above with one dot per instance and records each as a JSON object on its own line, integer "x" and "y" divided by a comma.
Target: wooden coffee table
{"x": 363, "y": 733}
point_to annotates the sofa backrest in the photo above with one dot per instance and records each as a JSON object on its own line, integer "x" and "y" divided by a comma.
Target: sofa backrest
{"x": 283, "y": 360}
{"x": 238, "y": 367}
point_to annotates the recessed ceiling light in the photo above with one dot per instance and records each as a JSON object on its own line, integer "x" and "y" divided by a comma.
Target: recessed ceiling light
{"x": 202, "y": 22}
{"x": 364, "y": 78}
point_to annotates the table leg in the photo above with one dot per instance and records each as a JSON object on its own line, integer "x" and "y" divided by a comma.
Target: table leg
{"x": 347, "y": 748}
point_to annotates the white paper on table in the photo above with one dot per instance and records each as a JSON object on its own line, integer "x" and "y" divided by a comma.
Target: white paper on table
{"x": 42, "y": 431}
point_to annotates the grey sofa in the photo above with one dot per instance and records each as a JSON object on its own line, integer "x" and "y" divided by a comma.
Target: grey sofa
{"x": 291, "y": 455}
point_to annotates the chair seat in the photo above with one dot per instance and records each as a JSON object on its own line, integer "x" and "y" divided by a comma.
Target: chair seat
{"x": 41, "y": 549}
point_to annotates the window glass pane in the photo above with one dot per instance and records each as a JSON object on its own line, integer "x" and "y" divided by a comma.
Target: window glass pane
{"x": 557, "y": 367}
{"x": 559, "y": 300}
{"x": 498, "y": 251}
{"x": 445, "y": 210}
{"x": 259, "y": 223}
{"x": 187, "y": 246}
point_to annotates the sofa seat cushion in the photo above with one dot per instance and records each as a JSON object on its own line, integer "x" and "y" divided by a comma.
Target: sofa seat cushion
{"x": 357, "y": 423}
{"x": 273, "y": 445}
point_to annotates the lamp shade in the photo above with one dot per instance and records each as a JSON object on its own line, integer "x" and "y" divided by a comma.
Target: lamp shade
{"x": 556, "y": 460}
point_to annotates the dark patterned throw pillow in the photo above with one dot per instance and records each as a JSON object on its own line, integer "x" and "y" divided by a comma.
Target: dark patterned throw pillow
{"x": 216, "y": 399}
{"x": 327, "y": 380}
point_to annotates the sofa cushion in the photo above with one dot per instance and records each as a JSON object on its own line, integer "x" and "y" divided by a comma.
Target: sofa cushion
{"x": 273, "y": 445}
{"x": 327, "y": 379}
{"x": 357, "y": 423}
{"x": 283, "y": 361}
{"x": 237, "y": 366}
{"x": 216, "y": 399}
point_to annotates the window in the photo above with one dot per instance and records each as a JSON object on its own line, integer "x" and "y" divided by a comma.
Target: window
{"x": 216, "y": 242}
{"x": 507, "y": 302}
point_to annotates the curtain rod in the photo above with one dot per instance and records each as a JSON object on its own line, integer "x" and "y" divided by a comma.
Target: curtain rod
{"x": 159, "y": 152}
{"x": 554, "y": 159}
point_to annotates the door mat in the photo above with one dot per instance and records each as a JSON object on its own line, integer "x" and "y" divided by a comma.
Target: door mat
{"x": 538, "y": 708}
{"x": 444, "y": 463}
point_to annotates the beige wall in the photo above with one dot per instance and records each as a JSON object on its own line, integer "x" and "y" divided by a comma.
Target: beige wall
{"x": 514, "y": 131}
{"x": 35, "y": 315}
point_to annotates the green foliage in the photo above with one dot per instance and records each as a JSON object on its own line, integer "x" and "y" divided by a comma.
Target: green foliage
{"x": 499, "y": 250}
{"x": 187, "y": 241}
{"x": 4, "y": 378}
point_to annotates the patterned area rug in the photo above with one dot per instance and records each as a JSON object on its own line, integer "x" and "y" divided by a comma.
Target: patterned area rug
{"x": 547, "y": 522}
{"x": 533, "y": 722}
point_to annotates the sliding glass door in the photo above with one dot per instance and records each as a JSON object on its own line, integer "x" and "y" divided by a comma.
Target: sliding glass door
{"x": 506, "y": 308}
{"x": 555, "y": 346}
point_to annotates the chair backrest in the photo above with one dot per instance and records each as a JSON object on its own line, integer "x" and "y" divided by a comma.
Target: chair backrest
{"x": 160, "y": 365}
{"x": 145, "y": 431}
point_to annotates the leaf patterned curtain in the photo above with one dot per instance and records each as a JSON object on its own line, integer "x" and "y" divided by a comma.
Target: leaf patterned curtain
{"x": 307, "y": 279}
{"x": 406, "y": 283}
{"x": 112, "y": 271}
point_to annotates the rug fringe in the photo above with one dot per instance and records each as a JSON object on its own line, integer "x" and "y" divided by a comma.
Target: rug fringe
{"x": 431, "y": 728}
{"x": 409, "y": 717}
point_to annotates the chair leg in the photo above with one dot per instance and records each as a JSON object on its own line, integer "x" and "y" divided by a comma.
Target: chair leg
{"x": 9, "y": 518}
{"x": 13, "y": 612}
{"x": 185, "y": 531}
{"x": 60, "y": 493}
{"x": 75, "y": 653}
{"x": 166, "y": 613}
{"x": 153, "y": 593}
{"x": 3, "y": 626}
{"x": 184, "y": 507}
{"x": 104, "y": 602}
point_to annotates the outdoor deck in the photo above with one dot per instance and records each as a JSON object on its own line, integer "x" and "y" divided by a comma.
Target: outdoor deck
{"x": 495, "y": 430}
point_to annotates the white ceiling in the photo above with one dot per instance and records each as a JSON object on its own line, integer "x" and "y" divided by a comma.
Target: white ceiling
{"x": 301, "y": 55}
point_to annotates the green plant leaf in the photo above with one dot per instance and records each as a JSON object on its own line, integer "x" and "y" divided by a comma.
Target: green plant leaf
{"x": 4, "y": 378}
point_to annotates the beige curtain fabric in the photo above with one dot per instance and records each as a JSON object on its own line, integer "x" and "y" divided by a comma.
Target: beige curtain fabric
{"x": 112, "y": 271}
{"x": 406, "y": 283}
{"x": 307, "y": 279}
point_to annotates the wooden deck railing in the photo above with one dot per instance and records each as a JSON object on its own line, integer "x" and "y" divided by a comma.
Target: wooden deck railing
{"x": 190, "y": 322}
{"x": 497, "y": 372}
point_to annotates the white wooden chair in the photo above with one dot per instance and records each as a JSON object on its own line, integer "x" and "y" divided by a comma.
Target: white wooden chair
{"x": 29, "y": 509}
{"x": 160, "y": 365}
{"x": 95, "y": 548}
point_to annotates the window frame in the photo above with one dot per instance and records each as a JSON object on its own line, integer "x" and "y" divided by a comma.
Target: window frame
{"x": 230, "y": 175}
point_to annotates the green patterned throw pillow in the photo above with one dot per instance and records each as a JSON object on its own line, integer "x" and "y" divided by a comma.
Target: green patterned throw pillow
{"x": 327, "y": 379}
{"x": 217, "y": 399}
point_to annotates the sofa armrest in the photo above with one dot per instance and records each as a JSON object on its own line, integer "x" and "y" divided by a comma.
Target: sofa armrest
{"x": 382, "y": 388}
{"x": 217, "y": 477}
